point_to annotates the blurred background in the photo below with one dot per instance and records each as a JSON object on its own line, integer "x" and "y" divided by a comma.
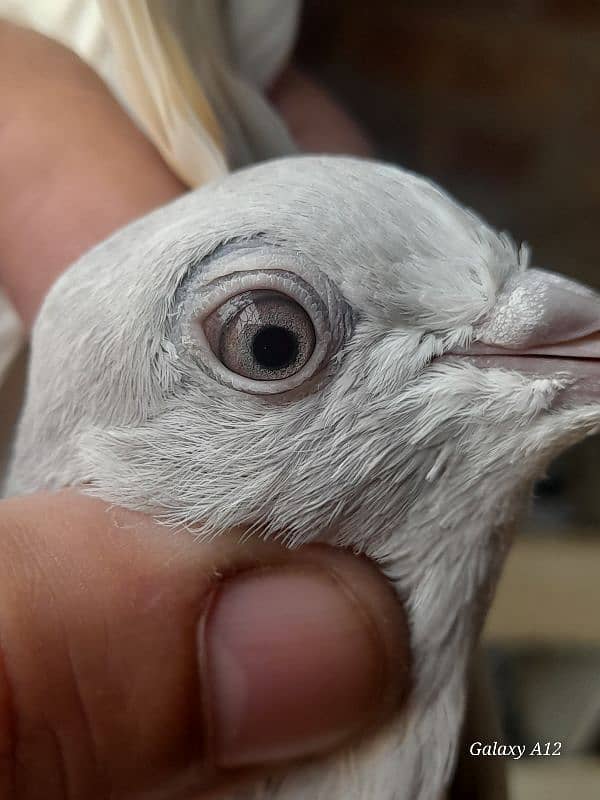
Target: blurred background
{"x": 500, "y": 103}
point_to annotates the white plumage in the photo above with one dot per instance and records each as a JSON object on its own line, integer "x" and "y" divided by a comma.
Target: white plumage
{"x": 395, "y": 437}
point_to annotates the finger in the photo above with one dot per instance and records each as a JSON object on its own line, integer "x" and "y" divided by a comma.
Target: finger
{"x": 318, "y": 123}
{"x": 138, "y": 659}
{"x": 73, "y": 165}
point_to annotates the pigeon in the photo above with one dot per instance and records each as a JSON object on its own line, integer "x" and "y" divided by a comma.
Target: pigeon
{"x": 323, "y": 349}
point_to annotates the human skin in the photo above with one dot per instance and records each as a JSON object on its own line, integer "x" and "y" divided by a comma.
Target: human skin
{"x": 132, "y": 658}
{"x": 73, "y": 166}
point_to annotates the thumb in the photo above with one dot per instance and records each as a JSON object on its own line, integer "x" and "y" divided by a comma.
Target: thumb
{"x": 136, "y": 659}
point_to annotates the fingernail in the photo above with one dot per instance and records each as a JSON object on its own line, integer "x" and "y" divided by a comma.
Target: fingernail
{"x": 295, "y": 664}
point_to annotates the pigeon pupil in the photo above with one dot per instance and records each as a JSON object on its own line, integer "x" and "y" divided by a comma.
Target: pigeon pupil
{"x": 274, "y": 347}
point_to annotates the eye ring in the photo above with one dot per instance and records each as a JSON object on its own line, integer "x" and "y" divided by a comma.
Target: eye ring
{"x": 330, "y": 318}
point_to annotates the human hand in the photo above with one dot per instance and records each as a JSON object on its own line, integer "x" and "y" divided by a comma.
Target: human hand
{"x": 74, "y": 167}
{"x": 138, "y": 660}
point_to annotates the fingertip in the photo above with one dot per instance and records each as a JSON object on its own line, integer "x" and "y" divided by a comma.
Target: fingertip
{"x": 301, "y": 657}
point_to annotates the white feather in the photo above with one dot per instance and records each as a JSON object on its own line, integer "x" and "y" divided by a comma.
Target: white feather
{"x": 421, "y": 463}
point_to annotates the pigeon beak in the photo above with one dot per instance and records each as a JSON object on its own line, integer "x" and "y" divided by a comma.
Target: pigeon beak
{"x": 542, "y": 324}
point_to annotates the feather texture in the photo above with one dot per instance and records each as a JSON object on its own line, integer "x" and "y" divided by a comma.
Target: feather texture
{"x": 394, "y": 450}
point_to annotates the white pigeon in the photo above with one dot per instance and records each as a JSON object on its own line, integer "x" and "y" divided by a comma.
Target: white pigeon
{"x": 333, "y": 349}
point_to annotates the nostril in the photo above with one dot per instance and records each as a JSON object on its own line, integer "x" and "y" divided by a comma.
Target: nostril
{"x": 537, "y": 308}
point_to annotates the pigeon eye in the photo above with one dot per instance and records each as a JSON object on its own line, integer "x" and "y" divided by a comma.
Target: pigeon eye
{"x": 263, "y": 331}
{"x": 262, "y": 335}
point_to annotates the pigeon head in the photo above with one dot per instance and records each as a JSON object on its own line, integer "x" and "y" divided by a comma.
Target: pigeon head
{"x": 310, "y": 347}
{"x": 322, "y": 348}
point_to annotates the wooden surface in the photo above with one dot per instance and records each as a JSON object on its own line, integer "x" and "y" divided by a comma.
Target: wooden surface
{"x": 549, "y": 594}
{"x": 555, "y": 779}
